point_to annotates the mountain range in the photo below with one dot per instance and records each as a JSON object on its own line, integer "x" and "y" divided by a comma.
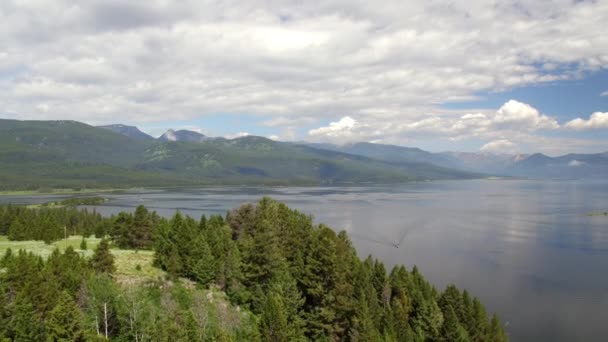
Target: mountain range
{"x": 55, "y": 154}
{"x": 535, "y": 165}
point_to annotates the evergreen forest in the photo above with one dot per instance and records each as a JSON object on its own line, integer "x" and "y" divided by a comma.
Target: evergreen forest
{"x": 262, "y": 272}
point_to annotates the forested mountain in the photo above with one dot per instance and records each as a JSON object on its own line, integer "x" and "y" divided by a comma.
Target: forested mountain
{"x": 46, "y": 154}
{"x": 129, "y": 131}
{"x": 255, "y": 158}
{"x": 182, "y": 135}
{"x": 290, "y": 280}
{"x": 491, "y": 163}
{"x": 66, "y": 142}
{"x": 50, "y": 154}
{"x": 535, "y": 166}
{"x": 54, "y": 154}
{"x": 389, "y": 153}
{"x": 567, "y": 166}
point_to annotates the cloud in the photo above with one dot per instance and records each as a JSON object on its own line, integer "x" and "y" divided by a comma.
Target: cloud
{"x": 499, "y": 146}
{"x": 605, "y": 93}
{"x": 181, "y": 60}
{"x": 288, "y": 121}
{"x": 343, "y": 128}
{"x": 520, "y": 115}
{"x": 512, "y": 119}
{"x": 293, "y": 63}
{"x": 596, "y": 120}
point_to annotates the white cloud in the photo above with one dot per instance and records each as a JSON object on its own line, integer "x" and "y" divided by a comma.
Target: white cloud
{"x": 293, "y": 63}
{"x": 575, "y": 163}
{"x": 343, "y": 128}
{"x": 512, "y": 119}
{"x": 520, "y": 115}
{"x": 596, "y": 120}
{"x": 500, "y": 146}
{"x": 473, "y": 116}
{"x": 273, "y": 137}
{"x": 605, "y": 93}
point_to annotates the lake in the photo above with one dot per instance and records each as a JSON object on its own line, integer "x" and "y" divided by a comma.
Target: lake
{"x": 527, "y": 249}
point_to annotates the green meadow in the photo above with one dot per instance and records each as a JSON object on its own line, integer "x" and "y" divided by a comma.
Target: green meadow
{"x": 126, "y": 260}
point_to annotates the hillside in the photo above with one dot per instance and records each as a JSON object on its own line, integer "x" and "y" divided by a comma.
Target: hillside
{"x": 260, "y": 159}
{"x": 535, "y": 165}
{"x": 58, "y": 154}
{"x": 567, "y": 166}
{"x": 182, "y": 135}
{"x": 388, "y": 153}
{"x": 412, "y": 159}
{"x": 49, "y": 154}
{"x": 65, "y": 142}
{"x": 129, "y": 131}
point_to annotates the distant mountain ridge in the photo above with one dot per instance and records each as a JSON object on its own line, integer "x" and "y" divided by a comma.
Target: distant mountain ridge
{"x": 51, "y": 154}
{"x": 129, "y": 131}
{"x": 535, "y": 165}
{"x": 573, "y": 165}
{"x": 35, "y": 154}
{"x": 182, "y": 135}
{"x": 389, "y": 153}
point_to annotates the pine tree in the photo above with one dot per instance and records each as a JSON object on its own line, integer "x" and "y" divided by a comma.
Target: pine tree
{"x": 162, "y": 245}
{"x": 451, "y": 297}
{"x": 204, "y": 268}
{"x": 122, "y": 231}
{"x": 64, "y": 322}
{"x": 142, "y": 229}
{"x": 25, "y": 323}
{"x": 202, "y": 225}
{"x": 319, "y": 283}
{"x": 4, "y": 311}
{"x": 17, "y": 231}
{"x": 261, "y": 257}
{"x": 83, "y": 244}
{"x": 183, "y": 234}
{"x": 103, "y": 260}
{"x": 174, "y": 265}
{"x": 364, "y": 327}
{"x": 400, "y": 312}
{"x": 273, "y": 321}
{"x": 452, "y": 331}
{"x": 480, "y": 319}
{"x": 285, "y": 286}
{"x": 497, "y": 332}
{"x": 101, "y": 229}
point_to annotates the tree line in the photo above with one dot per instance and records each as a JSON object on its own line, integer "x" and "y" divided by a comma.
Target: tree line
{"x": 20, "y": 223}
{"x": 300, "y": 281}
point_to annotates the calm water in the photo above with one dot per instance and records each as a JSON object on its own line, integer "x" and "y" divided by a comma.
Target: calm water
{"x": 525, "y": 248}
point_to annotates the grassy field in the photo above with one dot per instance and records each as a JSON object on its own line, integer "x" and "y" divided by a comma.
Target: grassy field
{"x": 126, "y": 261}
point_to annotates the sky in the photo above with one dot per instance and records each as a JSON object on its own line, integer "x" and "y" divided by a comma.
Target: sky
{"x": 476, "y": 75}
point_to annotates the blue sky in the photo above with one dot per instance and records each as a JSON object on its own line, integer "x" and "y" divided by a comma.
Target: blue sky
{"x": 564, "y": 100}
{"x": 506, "y": 77}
